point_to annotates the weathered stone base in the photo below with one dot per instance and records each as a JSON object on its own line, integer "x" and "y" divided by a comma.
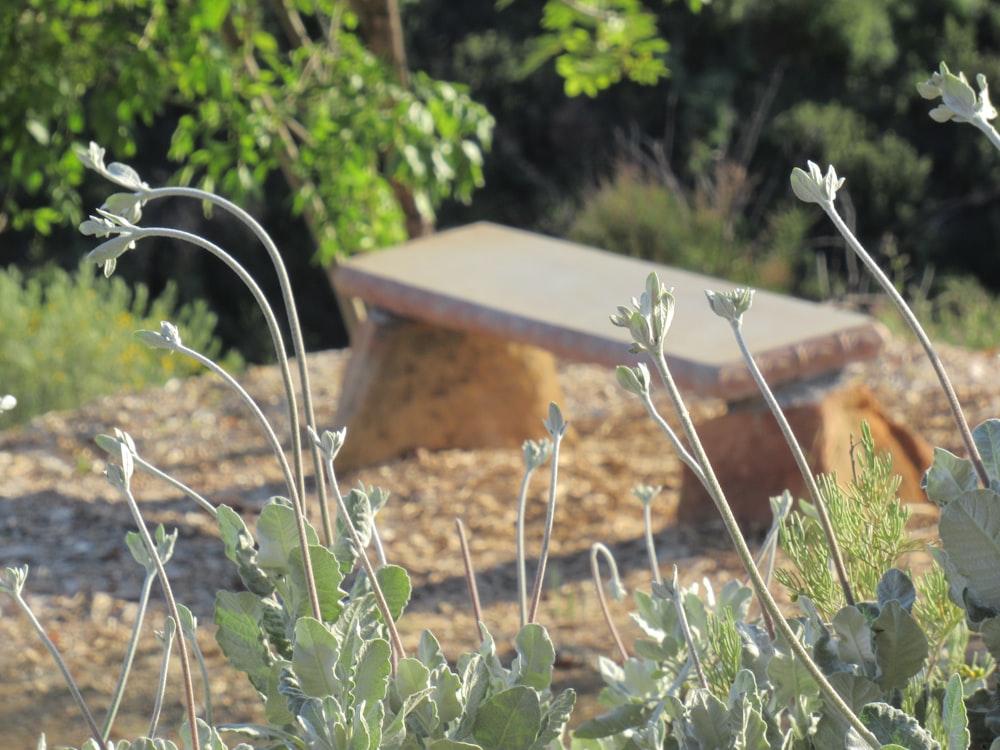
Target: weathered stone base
{"x": 409, "y": 385}
{"x": 753, "y": 461}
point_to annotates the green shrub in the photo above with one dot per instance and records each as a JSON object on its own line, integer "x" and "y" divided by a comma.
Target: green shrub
{"x": 703, "y": 230}
{"x": 66, "y": 338}
{"x": 963, "y": 313}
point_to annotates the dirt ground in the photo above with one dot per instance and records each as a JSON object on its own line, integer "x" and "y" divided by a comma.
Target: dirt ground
{"x": 61, "y": 517}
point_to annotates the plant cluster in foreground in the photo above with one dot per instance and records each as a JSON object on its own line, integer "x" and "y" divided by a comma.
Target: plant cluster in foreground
{"x": 876, "y": 659}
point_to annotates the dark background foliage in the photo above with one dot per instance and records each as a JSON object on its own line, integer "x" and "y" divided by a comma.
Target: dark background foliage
{"x": 763, "y": 85}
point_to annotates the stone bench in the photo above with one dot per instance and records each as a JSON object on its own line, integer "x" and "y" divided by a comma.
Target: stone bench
{"x": 457, "y": 352}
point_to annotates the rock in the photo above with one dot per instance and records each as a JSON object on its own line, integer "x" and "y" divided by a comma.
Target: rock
{"x": 753, "y": 461}
{"x": 409, "y": 385}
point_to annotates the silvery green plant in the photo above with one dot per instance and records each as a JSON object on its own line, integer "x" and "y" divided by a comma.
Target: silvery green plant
{"x": 325, "y": 657}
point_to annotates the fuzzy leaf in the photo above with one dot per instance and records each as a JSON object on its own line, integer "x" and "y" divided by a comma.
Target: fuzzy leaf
{"x": 327, "y": 576}
{"x": 314, "y": 656}
{"x": 790, "y": 678}
{"x": 451, "y": 745}
{"x": 238, "y": 617}
{"x": 396, "y": 586}
{"x": 900, "y": 646}
{"x": 857, "y": 691}
{"x": 954, "y": 719}
{"x": 948, "y": 477}
{"x": 989, "y": 629}
{"x": 535, "y": 657}
{"x": 277, "y": 536}
{"x": 854, "y": 638}
{"x": 371, "y": 672}
{"x": 707, "y": 721}
{"x": 623, "y": 717}
{"x": 987, "y": 439}
{"x": 890, "y": 725}
{"x": 242, "y": 550}
{"x": 896, "y": 585}
{"x": 970, "y": 534}
{"x": 509, "y": 720}
{"x": 555, "y": 720}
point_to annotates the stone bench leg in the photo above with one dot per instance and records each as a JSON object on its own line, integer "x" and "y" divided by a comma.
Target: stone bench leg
{"x": 753, "y": 461}
{"x": 410, "y": 385}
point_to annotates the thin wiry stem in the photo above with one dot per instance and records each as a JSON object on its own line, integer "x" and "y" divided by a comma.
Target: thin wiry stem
{"x": 597, "y": 549}
{"x": 168, "y": 594}
{"x": 200, "y": 501}
{"x": 297, "y": 342}
{"x": 543, "y": 557}
{"x": 675, "y": 594}
{"x": 520, "y": 553}
{"x": 133, "y": 643}
{"x": 746, "y": 557}
{"x": 800, "y": 459}
{"x": 300, "y": 524}
{"x": 169, "y": 629}
{"x": 470, "y": 578}
{"x": 74, "y": 690}
{"x": 398, "y": 652}
{"x": 911, "y": 320}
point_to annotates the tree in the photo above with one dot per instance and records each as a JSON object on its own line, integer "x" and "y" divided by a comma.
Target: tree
{"x": 256, "y": 88}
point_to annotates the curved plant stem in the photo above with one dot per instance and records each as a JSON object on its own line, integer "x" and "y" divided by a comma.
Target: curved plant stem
{"x": 746, "y": 557}
{"x": 599, "y": 549}
{"x": 470, "y": 578}
{"x": 536, "y": 594}
{"x": 675, "y": 594}
{"x": 168, "y": 594}
{"x": 297, "y": 342}
{"x": 63, "y": 669}
{"x": 647, "y": 522}
{"x": 169, "y": 628}
{"x": 800, "y": 460}
{"x": 116, "y": 697}
{"x": 279, "y": 347}
{"x": 911, "y": 320}
{"x": 300, "y": 524}
{"x": 398, "y": 652}
{"x": 200, "y": 501}
{"x": 522, "y": 585}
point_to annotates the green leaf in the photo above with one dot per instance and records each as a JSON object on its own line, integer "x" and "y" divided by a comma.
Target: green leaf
{"x": 970, "y": 534}
{"x": 989, "y": 629}
{"x": 277, "y": 536}
{"x": 790, "y": 678}
{"x": 616, "y": 721}
{"x": 890, "y": 725}
{"x": 854, "y": 638}
{"x": 708, "y": 720}
{"x": 987, "y": 439}
{"x": 954, "y": 719}
{"x": 509, "y": 720}
{"x": 949, "y": 477}
{"x": 238, "y": 617}
{"x": 314, "y": 656}
{"x": 213, "y": 13}
{"x": 371, "y": 672}
{"x": 451, "y": 745}
{"x": 900, "y": 646}
{"x": 896, "y": 585}
{"x": 857, "y": 691}
{"x": 535, "y": 657}
{"x": 396, "y": 587}
{"x": 327, "y": 576}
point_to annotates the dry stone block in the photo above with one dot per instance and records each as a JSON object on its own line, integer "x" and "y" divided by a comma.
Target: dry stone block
{"x": 411, "y": 385}
{"x": 753, "y": 461}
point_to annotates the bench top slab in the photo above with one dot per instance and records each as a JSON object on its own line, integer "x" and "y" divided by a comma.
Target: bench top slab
{"x": 557, "y": 295}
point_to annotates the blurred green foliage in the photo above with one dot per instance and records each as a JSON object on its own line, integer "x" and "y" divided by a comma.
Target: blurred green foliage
{"x": 254, "y": 89}
{"x": 702, "y": 229}
{"x": 66, "y": 338}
